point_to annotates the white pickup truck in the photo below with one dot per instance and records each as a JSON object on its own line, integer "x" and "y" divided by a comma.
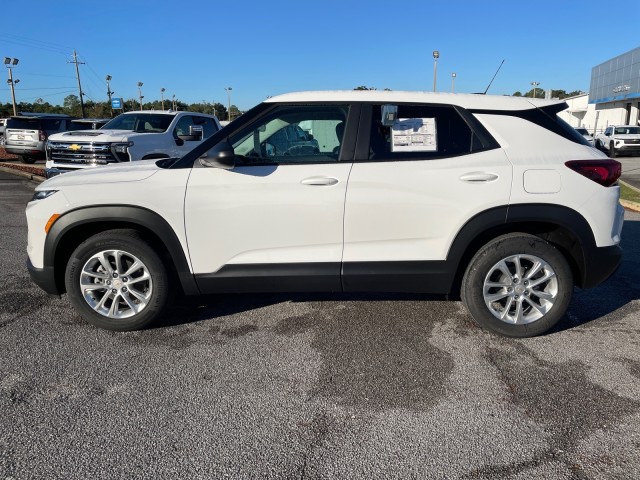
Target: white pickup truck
{"x": 618, "y": 139}
{"x": 140, "y": 135}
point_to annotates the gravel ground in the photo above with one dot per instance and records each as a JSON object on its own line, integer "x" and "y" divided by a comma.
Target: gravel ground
{"x": 314, "y": 386}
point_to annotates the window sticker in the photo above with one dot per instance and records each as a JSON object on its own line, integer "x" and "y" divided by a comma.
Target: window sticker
{"x": 414, "y": 135}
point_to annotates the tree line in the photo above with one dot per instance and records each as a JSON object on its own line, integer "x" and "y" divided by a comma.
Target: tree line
{"x": 71, "y": 106}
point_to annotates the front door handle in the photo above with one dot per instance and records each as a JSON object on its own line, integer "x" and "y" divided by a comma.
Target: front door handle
{"x": 478, "y": 177}
{"x": 319, "y": 181}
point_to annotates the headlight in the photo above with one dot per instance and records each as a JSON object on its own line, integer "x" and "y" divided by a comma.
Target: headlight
{"x": 122, "y": 147}
{"x": 42, "y": 194}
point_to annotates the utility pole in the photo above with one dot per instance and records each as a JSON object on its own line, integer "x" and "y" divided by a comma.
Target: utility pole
{"x": 109, "y": 92}
{"x": 75, "y": 60}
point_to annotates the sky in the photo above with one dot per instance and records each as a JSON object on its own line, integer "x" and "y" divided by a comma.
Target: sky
{"x": 194, "y": 49}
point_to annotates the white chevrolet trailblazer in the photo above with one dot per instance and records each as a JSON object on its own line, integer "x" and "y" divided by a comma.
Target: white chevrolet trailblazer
{"x": 492, "y": 197}
{"x": 140, "y": 135}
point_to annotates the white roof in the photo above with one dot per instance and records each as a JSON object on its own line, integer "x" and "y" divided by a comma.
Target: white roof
{"x": 466, "y": 100}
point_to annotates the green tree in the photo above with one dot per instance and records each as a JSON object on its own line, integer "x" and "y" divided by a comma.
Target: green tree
{"x": 71, "y": 105}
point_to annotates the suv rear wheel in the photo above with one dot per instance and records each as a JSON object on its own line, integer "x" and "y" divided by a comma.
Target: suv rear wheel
{"x": 117, "y": 281}
{"x": 517, "y": 285}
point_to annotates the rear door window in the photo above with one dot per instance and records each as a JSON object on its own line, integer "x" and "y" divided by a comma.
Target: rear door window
{"x": 422, "y": 132}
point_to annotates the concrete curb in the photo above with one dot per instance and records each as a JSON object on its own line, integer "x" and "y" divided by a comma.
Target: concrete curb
{"x": 20, "y": 173}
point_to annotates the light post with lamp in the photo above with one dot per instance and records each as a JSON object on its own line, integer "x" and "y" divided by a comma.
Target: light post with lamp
{"x": 11, "y": 63}
{"x": 436, "y": 56}
{"x": 453, "y": 79}
{"x": 109, "y": 92}
{"x": 534, "y": 84}
{"x": 228, "y": 89}
{"x": 140, "y": 96}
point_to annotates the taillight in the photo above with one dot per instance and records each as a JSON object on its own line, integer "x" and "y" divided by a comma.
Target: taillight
{"x": 605, "y": 172}
{"x": 43, "y": 135}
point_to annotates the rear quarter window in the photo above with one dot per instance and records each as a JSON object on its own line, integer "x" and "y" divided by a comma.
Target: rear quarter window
{"x": 545, "y": 117}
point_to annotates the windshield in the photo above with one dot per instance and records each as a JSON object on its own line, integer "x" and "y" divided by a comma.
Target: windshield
{"x": 141, "y": 122}
{"x": 582, "y": 131}
{"x": 627, "y": 130}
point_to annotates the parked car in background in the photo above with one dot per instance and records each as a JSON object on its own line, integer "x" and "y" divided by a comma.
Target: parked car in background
{"x": 585, "y": 133}
{"x": 27, "y": 134}
{"x": 617, "y": 139}
{"x": 3, "y": 125}
{"x": 493, "y": 197}
{"x": 131, "y": 136}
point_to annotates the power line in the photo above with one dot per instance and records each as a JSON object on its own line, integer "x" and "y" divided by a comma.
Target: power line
{"x": 37, "y": 44}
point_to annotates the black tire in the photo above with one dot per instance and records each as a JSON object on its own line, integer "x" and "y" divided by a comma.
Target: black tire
{"x": 28, "y": 160}
{"x": 131, "y": 292}
{"x": 513, "y": 297}
{"x": 612, "y": 150}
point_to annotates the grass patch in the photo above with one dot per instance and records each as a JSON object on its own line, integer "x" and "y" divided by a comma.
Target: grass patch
{"x": 629, "y": 194}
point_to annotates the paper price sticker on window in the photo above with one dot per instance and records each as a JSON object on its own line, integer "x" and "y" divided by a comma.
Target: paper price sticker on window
{"x": 414, "y": 135}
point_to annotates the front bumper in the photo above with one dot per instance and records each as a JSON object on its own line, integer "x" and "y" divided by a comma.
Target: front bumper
{"x": 52, "y": 172}
{"x": 44, "y": 278}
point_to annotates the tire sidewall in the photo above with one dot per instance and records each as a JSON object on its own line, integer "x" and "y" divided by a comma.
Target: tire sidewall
{"x": 130, "y": 243}
{"x": 503, "y": 247}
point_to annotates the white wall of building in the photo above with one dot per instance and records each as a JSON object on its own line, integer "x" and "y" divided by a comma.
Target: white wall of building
{"x": 598, "y": 117}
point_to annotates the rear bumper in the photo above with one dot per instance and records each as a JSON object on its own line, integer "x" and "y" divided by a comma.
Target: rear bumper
{"x": 25, "y": 151}
{"x": 44, "y": 278}
{"x": 600, "y": 263}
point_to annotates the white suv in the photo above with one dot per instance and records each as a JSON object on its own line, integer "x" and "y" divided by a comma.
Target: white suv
{"x": 494, "y": 197}
{"x": 617, "y": 139}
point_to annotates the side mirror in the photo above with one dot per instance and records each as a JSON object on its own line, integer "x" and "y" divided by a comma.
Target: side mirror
{"x": 195, "y": 134}
{"x": 220, "y": 156}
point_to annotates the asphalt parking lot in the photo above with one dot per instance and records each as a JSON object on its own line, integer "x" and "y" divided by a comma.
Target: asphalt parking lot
{"x": 314, "y": 386}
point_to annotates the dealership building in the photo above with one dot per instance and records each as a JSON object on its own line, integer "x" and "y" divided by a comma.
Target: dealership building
{"x": 613, "y": 98}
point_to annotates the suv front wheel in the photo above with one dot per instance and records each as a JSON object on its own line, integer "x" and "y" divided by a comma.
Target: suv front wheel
{"x": 517, "y": 285}
{"x": 117, "y": 281}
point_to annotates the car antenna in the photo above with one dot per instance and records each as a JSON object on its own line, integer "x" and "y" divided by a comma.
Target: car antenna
{"x": 494, "y": 77}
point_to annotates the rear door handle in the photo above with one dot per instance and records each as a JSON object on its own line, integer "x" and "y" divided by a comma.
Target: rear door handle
{"x": 319, "y": 181}
{"x": 478, "y": 177}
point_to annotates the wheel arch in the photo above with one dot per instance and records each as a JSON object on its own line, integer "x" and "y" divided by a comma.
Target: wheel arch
{"x": 561, "y": 226}
{"x": 74, "y": 227}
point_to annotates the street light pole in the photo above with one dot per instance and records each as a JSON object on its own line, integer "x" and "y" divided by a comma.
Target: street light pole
{"x": 140, "y": 96}
{"x": 436, "y": 56}
{"x": 109, "y": 92}
{"x": 535, "y": 84}
{"x": 228, "y": 89}
{"x": 11, "y": 63}
{"x": 453, "y": 79}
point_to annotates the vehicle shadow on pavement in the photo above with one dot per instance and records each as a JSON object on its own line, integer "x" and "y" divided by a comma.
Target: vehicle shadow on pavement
{"x": 187, "y": 310}
{"x": 587, "y": 305}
